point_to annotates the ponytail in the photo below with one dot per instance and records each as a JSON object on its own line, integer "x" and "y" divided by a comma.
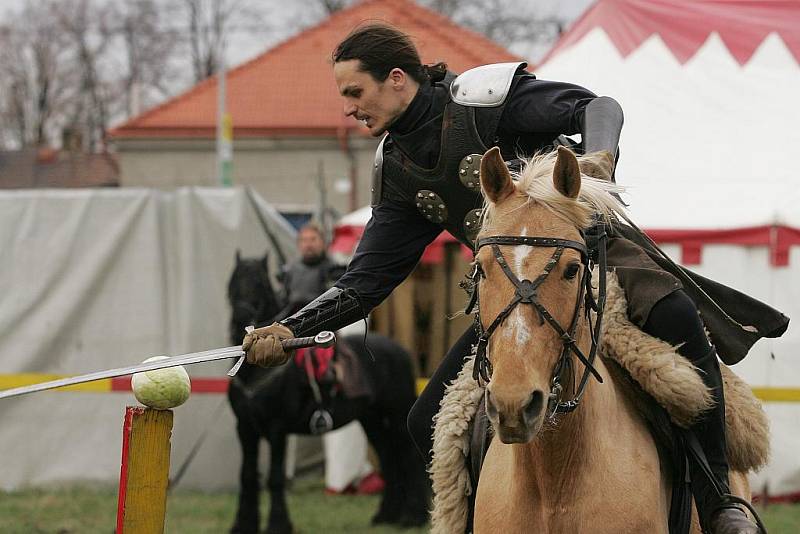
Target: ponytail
{"x": 436, "y": 72}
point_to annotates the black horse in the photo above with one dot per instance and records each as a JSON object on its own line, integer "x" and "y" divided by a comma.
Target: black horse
{"x": 272, "y": 403}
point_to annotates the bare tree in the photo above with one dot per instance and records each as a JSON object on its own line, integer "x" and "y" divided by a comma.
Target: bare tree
{"x": 332, "y": 6}
{"x": 33, "y": 75}
{"x": 86, "y": 26}
{"x": 146, "y": 71}
{"x": 525, "y": 26}
{"x": 80, "y": 65}
{"x": 210, "y": 24}
{"x": 15, "y": 88}
{"x": 445, "y": 7}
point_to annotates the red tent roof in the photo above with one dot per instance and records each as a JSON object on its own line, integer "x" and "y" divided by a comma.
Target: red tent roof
{"x": 685, "y": 25}
{"x": 289, "y": 89}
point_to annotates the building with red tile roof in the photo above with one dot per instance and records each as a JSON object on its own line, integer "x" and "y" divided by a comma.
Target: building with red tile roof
{"x": 289, "y": 89}
{"x": 288, "y": 121}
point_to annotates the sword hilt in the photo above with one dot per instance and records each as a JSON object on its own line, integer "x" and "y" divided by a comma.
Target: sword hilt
{"x": 323, "y": 339}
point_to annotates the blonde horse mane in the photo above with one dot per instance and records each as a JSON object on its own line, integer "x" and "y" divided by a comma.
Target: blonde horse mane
{"x": 596, "y": 194}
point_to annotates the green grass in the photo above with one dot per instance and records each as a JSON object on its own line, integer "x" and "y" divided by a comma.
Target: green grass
{"x": 82, "y": 510}
{"x": 781, "y": 518}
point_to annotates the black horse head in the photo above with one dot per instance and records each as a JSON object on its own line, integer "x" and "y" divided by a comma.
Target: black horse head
{"x": 250, "y": 295}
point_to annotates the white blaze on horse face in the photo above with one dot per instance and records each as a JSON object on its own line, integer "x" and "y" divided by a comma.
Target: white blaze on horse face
{"x": 519, "y": 329}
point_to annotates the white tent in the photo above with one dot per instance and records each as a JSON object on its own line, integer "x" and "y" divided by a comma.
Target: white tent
{"x": 101, "y": 278}
{"x": 709, "y": 92}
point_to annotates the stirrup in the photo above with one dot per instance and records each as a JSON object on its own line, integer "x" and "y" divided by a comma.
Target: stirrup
{"x": 728, "y": 501}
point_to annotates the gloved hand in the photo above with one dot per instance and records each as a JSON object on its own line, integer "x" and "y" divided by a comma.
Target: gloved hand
{"x": 263, "y": 345}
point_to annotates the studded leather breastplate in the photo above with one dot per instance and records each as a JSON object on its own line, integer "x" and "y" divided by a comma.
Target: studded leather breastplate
{"x": 448, "y": 194}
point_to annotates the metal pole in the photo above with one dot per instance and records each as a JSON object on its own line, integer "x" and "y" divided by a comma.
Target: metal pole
{"x": 322, "y": 208}
{"x": 224, "y": 126}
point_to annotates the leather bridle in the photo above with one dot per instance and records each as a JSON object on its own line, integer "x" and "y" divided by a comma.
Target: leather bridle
{"x": 526, "y": 293}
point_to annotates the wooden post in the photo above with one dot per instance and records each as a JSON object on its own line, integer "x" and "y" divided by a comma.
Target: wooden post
{"x": 438, "y": 299}
{"x": 459, "y": 267}
{"x": 405, "y": 330}
{"x": 144, "y": 474}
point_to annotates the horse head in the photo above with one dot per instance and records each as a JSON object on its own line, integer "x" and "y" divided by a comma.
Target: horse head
{"x": 533, "y": 270}
{"x": 250, "y": 295}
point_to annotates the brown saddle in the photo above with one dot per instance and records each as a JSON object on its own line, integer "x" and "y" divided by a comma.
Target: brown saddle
{"x": 336, "y": 367}
{"x": 350, "y": 373}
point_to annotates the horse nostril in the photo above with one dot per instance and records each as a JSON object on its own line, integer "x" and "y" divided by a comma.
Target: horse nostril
{"x": 533, "y": 409}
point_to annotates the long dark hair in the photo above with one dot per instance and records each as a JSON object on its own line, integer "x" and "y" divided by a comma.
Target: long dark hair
{"x": 380, "y": 48}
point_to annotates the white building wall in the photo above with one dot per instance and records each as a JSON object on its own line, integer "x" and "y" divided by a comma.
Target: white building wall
{"x": 284, "y": 171}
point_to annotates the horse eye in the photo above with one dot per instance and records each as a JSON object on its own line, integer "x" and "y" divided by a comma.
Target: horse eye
{"x": 571, "y": 271}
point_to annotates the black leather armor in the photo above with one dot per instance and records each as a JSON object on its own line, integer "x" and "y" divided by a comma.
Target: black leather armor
{"x": 449, "y": 193}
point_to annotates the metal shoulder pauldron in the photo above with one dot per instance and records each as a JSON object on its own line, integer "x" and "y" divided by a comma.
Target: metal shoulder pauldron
{"x": 485, "y": 86}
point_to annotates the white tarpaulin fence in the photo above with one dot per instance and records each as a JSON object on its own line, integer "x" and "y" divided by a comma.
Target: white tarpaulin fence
{"x": 95, "y": 279}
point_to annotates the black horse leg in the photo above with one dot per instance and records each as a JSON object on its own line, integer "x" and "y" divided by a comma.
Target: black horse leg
{"x": 247, "y": 515}
{"x": 392, "y": 501}
{"x": 279, "y": 522}
{"x": 414, "y": 482}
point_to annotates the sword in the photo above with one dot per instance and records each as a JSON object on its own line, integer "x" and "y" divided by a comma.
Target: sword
{"x": 323, "y": 339}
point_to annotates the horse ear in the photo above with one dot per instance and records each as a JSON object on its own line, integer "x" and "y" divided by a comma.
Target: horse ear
{"x": 567, "y": 173}
{"x": 495, "y": 179}
{"x": 238, "y": 256}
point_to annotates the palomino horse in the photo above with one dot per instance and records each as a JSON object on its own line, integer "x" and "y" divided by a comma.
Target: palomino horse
{"x": 597, "y": 468}
{"x": 272, "y": 403}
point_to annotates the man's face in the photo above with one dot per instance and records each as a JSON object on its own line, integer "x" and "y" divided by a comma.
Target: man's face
{"x": 377, "y": 104}
{"x": 310, "y": 244}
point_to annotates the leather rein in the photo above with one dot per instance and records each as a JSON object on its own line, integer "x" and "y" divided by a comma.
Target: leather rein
{"x": 526, "y": 293}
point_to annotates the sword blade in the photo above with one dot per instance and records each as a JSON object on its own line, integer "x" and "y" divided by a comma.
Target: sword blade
{"x": 185, "y": 359}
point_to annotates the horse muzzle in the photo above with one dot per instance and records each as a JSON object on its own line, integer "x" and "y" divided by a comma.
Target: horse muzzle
{"x": 516, "y": 422}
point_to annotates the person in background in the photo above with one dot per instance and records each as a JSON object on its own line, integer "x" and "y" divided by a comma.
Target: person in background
{"x": 312, "y": 273}
{"x": 347, "y": 468}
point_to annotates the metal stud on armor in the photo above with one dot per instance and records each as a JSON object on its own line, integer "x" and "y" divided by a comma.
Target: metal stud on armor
{"x": 469, "y": 171}
{"x": 472, "y": 223}
{"x": 449, "y": 192}
{"x": 431, "y": 206}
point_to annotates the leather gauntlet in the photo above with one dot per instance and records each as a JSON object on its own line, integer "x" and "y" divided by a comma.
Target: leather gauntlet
{"x": 334, "y": 309}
